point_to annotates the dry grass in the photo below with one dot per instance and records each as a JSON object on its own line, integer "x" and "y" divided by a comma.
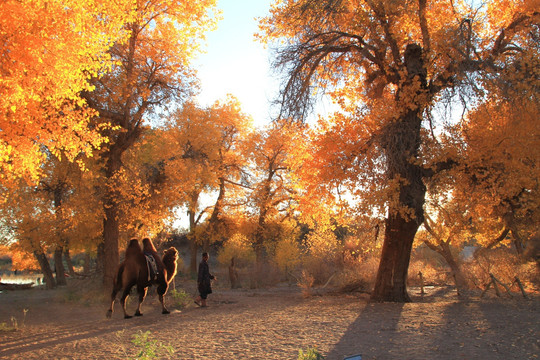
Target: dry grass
{"x": 83, "y": 291}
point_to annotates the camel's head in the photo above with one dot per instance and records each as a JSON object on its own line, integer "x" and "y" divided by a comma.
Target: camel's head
{"x": 170, "y": 257}
{"x": 171, "y": 253}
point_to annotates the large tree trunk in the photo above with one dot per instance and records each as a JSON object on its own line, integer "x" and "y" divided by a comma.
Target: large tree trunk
{"x": 391, "y": 281}
{"x": 111, "y": 227}
{"x": 48, "y": 277}
{"x": 59, "y": 266}
{"x": 401, "y": 144}
{"x": 403, "y": 220}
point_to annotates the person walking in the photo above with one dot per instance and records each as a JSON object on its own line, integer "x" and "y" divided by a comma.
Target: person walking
{"x": 204, "y": 281}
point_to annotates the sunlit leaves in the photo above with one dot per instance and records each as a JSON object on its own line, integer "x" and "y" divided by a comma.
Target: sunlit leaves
{"x": 205, "y": 146}
{"x": 49, "y": 50}
{"x": 275, "y": 153}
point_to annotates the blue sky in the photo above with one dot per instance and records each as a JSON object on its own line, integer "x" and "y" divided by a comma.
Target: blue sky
{"x": 236, "y": 63}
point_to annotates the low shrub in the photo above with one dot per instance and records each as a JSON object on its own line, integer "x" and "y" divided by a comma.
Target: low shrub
{"x": 149, "y": 348}
{"x": 310, "y": 354}
{"x": 181, "y": 299}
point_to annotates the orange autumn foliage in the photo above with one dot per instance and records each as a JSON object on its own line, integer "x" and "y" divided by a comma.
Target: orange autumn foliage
{"x": 49, "y": 51}
{"x": 22, "y": 260}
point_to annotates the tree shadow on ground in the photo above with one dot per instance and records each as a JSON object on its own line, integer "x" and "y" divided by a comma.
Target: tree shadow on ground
{"x": 444, "y": 330}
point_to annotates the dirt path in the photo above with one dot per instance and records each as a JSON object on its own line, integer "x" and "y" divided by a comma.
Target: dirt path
{"x": 274, "y": 324}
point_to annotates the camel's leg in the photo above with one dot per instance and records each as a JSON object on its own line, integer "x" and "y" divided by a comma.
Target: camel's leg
{"x": 123, "y": 300}
{"x": 163, "y": 308}
{"x": 142, "y": 294}
{"x": 162, "y": 290}
{"x": 115, "y": 290}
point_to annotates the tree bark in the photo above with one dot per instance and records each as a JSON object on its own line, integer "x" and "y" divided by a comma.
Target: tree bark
{"x": 48, "y": 277}
{"x": 518, "y": 241}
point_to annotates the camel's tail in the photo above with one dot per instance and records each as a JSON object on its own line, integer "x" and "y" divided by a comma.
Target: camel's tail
{"x": 118, "y": 281}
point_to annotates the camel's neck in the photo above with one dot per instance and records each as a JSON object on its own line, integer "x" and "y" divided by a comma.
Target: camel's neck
{"x": 171, "y": 270}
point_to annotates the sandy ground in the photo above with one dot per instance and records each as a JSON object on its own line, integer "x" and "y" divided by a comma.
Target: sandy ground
{"x": 272, "y": 324}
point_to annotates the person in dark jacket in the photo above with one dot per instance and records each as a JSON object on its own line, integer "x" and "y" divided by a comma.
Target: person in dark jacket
{"x": 204, "y": 283}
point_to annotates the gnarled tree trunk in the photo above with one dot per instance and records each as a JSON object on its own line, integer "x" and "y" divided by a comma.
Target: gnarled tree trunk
{"x": 401, "y": 144}
{"x": 111, "y": 227}
{"x": 67, "y": 258}
{"x": 111, "y": 253}
{"x": 59, "y": 266}
{"x": 48, "y": 277}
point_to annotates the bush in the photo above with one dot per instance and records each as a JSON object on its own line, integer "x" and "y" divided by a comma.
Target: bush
{"x": 181, "y": 298}
{"x": 148, "y": 348}
{"x": 287, "y": 255}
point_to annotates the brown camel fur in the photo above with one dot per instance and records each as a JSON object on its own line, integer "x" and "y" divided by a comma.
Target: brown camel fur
{"x": 134, "y": 271}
